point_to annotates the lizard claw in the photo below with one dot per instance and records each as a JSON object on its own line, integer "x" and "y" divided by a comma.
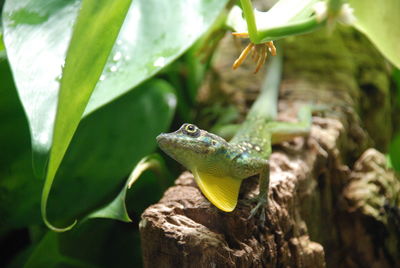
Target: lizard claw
{"x": 259, "y": 208}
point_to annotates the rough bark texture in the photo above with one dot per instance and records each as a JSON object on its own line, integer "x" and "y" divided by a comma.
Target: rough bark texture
{"x": 332, "y": 202}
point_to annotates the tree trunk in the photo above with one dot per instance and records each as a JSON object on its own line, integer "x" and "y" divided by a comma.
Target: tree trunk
{"x": 332, "y": 201}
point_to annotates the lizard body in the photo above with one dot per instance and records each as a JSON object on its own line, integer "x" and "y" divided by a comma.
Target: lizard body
{"x": 219, "y": 166}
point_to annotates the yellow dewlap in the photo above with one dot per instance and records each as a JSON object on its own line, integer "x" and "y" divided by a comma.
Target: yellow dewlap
{"x": 223, "y": 191}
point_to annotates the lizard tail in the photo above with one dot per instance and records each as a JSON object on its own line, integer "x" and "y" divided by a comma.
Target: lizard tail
{"x": 266, "y": 105}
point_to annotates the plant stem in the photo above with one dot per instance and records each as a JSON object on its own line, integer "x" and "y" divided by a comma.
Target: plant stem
{"x": 250, "y": 19}
{"x": 301, "y": 27}
{"x": 258, "y": 36}
{"x": 334, "y": 7}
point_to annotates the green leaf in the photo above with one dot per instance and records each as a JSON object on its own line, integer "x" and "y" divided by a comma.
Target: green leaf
{"x": 108, "y": 144}
{"x": 154, "y": 34}
{"x": 49, "y": 244}
{"x": 388, "y": 161}
{"x": 1, "y": 39}
{"x": 2, "y": 48}
{"x": 37, "y": 33}
{"x": 47, "y": 254}
{"x": 77, "y": 83}
{"x": 36, "y": 36}
{"x": 116, "y": 209}
{"x": 379, "y": 21}
{"x": 152, "y": 162}
{"x": 96, "y": 243}
{"x": 18, "y": 188}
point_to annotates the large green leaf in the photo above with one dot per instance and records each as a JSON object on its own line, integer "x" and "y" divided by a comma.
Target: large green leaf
{"x": 95, "y": 31}
{"x": 108, "y": 144}
{"x": 18, "y": 189}
{"x": 37, "y": 34}
{"x": 154, "y": 34}
{"x": 380, "y": 22}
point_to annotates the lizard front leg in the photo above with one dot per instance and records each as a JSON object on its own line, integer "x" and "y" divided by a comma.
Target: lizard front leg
{"x": 262, "y": 198}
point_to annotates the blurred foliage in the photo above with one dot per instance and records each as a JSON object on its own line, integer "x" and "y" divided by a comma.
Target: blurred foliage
{"x": 379, "y": 21}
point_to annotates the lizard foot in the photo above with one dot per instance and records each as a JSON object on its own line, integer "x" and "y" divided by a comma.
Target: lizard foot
{"x": 259, "y": 208}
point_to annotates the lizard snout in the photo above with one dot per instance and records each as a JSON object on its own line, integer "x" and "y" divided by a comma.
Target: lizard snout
{"x": 161, "y": 138}
{"x": 165, "y": 140}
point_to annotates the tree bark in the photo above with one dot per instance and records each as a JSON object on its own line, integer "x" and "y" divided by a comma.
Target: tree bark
{"x": 332, "y": 200}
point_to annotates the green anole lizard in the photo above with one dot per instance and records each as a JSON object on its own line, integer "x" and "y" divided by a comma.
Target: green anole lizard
{"x": 218, "y": 166}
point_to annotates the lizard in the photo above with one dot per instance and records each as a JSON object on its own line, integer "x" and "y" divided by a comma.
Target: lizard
{"x": 219, "y": 166}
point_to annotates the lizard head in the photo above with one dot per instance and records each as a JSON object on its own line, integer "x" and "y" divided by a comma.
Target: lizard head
{"x": 205, "y": 154}
{"x": 192, "y": 146}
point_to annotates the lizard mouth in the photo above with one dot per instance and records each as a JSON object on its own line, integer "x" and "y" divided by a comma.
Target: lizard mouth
{"x": 162, "y": 138}
{"x": 169, "y": 143}
{"x": 166, "y": 140}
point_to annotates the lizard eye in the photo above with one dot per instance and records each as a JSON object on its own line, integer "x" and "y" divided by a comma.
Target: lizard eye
{"x": 191, "y": 130}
